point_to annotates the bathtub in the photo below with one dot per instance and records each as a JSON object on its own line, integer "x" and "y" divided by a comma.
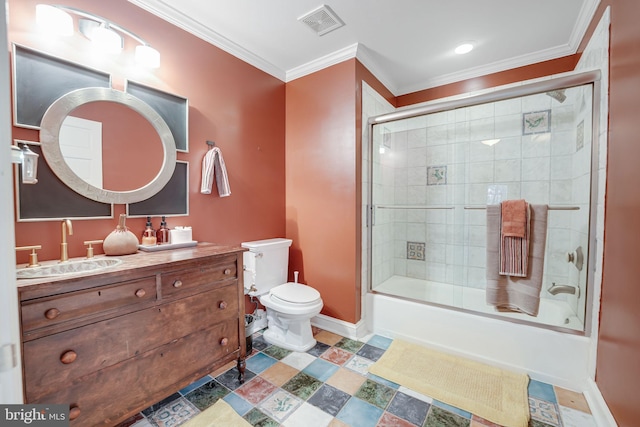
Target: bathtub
{"x": 546, "y": 354}
{"x": 554, "y": 313}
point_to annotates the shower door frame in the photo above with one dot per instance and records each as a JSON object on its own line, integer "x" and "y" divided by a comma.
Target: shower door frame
{"x": 554, "y": 83}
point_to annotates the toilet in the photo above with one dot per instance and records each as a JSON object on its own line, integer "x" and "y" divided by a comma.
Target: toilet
{"x": 290, "y": 306}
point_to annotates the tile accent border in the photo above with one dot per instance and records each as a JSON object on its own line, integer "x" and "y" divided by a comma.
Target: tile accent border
{"x": 536, "y": 122}
{"x": 436, "y": 175}
{"x": 416, "y": 251}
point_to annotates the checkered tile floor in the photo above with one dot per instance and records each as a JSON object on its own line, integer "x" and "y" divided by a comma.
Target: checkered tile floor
{"x": 330, "y": 386}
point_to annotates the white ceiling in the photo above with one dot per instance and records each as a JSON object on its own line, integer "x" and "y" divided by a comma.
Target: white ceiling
{"x": 407, "y": 44}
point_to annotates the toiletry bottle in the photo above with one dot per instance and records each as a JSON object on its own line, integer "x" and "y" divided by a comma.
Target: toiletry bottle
{"x": 149, "y": 234}
{"x": 162, "y": 234}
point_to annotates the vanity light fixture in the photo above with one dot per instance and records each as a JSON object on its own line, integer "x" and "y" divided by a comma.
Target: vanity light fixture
{"x": 53, "y": 20}
{"x": 107, "y": 35}
{"x": 464, "y": 48}
{"x": 16, "y": 154}
{"x": 28, "y": 161}
{"x": 106, "y": 39}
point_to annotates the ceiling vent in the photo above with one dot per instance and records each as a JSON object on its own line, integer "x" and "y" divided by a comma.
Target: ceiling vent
{"x": 322, "y": 20}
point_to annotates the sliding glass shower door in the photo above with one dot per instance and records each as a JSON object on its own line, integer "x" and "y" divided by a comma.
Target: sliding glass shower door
{"x": 434, "y": 170}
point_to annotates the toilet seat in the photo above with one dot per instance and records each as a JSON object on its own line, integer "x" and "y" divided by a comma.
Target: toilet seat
{"x": 293, "y": 299}
{"x": 295, "y": 293}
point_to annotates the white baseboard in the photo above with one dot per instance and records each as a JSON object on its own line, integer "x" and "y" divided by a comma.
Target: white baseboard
{"x": 340, "y": 327}
{"x": 599, "y": 409}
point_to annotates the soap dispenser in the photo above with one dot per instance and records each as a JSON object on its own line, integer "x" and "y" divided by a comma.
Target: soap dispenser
{"x": 162, "y": 235}
{"x": 149, "y": 234}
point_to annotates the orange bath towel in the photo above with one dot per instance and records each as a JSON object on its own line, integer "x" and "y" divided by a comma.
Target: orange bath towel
{"x": 514, "y": 218}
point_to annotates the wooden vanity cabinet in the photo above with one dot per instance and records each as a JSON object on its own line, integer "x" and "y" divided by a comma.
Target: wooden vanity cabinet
{"x": 112, "y": 344}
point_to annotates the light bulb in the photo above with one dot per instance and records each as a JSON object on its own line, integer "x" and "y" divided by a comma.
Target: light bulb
{"x": 53, "y": 20}
{"x": 107, "y": 40}
{"x": 464, "y": 48}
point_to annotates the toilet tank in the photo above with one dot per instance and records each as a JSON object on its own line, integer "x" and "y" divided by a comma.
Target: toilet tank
{"x": 266, "y": 264}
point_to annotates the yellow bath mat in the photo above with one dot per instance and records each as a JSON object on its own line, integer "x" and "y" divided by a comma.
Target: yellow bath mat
{"x": 221, "y": 414}
{"x": 494, "y": 394}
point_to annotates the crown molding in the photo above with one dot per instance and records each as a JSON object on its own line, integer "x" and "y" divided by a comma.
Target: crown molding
{"x": 162, "y": 10}
{"x": 168, "y": 13}
{"x": 495, "y": 67}
{"x": 587, "y": 12}
{"x": 323, "y": 62}
{"x": 364, "y": 56}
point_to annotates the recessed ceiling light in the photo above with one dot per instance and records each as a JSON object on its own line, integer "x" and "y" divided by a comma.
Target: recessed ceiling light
{"x": 464, "y": 48}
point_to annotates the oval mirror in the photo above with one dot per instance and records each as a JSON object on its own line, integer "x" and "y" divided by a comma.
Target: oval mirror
{"x": 134, "y": 138}
{"x": 99, "y": 140}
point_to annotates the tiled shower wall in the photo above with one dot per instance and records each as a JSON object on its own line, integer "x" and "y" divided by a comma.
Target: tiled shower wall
{"x": 440, "y": 162}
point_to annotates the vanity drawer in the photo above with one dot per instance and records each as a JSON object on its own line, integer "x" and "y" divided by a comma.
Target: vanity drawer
{"x": 190, "y": 281}
{"x": 66, "y": 356}
{"x": 65, "y": 307}
{"x": 100, "y": 401}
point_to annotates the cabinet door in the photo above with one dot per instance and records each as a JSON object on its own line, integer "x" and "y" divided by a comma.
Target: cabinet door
{"x": 111, "y": 395}
{"x": 64, "y": 357}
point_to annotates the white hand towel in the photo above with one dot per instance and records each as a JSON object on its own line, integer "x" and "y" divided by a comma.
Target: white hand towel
{"x": 213, "y": 164}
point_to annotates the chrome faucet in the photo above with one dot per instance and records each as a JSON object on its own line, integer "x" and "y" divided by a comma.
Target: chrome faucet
{"x": 66, "y": 226}
{"x": 563, "y": 289}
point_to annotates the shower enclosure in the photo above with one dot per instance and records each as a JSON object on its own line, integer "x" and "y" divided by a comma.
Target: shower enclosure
{"x": 434, "y": 169}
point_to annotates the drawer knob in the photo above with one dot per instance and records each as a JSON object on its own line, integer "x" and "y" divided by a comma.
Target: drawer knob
{"x": 68, "y": 357}
{"x": 74, "y": 412}
{"x": 140, "y": 293}
{"x": 177, "y": 283}
{"x": 52, "y": 313}
{"x": 224, "y": 342}
{"x": 227, "y": 271}
{"x": 222, "y": 305}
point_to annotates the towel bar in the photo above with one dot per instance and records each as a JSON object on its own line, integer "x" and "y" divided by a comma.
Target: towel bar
{"x": 551, "y": 208}
{"x": 413, "y": 207}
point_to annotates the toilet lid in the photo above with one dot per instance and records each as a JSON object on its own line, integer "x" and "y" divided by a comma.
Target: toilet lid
{"x": 296, "y": 293}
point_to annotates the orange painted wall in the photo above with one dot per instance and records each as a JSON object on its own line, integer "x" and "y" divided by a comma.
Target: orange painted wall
{"x": 618, "y": 367}
{"x": 230, "y": 102}
{"x": 322, "y": 186}
{"x": 541, "y": 69}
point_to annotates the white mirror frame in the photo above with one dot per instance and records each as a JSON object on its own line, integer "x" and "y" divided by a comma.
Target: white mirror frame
{"x": 49, "y": 138}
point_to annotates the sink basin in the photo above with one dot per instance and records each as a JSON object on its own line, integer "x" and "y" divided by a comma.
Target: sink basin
{"x": 70, "y": 267}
